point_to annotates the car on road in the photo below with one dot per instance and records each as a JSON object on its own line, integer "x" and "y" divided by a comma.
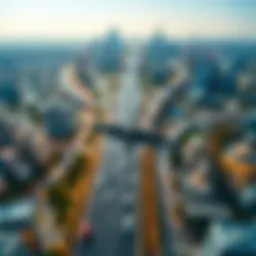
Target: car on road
{"x": 85, "y": 231}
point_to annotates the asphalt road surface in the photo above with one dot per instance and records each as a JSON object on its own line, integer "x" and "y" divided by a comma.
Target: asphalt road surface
{"x": 113, "y": 211}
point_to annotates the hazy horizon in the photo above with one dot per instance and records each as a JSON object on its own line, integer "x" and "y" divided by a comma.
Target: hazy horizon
{"x": 56, "y": 20}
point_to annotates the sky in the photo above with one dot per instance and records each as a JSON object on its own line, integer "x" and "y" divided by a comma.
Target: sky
{"x": 79, "y": 19}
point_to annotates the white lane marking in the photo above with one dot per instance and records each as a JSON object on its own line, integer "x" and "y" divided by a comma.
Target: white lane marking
{"x": 128, "y": 222}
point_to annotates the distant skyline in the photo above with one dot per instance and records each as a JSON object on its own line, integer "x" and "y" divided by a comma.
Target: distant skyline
{"x": 81, "y": 19}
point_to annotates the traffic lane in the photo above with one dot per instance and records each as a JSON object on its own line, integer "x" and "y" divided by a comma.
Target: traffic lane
{"x": 126, "y": 244}
{"x": 106, "y": 208}
{"x": 111, "y": 238}
{"x": 128, "y": 222}
{"x": 129, "y": 101}
{"x": 105, "y": 225}
{"x": 106, "y": 235}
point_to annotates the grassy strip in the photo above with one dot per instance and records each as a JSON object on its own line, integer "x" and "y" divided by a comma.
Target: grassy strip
{"x": 82, "y": 191}
{"x": 149, "y": 214}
